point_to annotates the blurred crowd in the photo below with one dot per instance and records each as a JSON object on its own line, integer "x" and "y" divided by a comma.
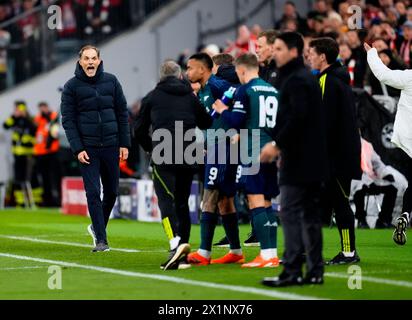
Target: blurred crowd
{"x": 387, "y": 24}
{"x": 22, "y": 30}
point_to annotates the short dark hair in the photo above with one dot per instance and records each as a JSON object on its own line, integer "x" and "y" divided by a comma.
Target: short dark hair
{"x": 292, "y": 40}
{"x": 249, "y": 60}
{"x": 290, "y": 3}
{"x": 327, "y": 46}
{"x": 223, "y": 58}
{"x": 203, "y": 58}
{"x": 87, "y": 47}
{"x": 270, "y": 35}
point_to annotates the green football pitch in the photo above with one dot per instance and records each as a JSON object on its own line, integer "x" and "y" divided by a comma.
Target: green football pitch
{"x": 33, "y": 241}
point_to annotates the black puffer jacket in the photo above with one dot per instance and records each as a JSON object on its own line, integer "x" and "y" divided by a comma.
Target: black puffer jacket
{"x": 171, "y": 102}
{"x": 94, "y": 111}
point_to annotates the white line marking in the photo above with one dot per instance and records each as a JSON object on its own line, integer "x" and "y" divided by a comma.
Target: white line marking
{"x": 54, "y": 235}
{"x": 398, "y": 283}
{"x": 408, "y": 271}
{"x": 73, "y": 244}
{"x": 242, "y": 289}
{"x": 21, "y": 268}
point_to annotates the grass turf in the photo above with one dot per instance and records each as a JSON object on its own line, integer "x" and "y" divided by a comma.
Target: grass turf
{"x": 381, "y": 260}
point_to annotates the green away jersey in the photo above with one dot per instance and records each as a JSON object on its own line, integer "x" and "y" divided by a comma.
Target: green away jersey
{"x": 258, "y": 101}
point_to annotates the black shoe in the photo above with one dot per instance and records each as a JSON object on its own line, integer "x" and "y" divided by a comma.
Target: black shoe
{"x": 382, "y": 225}
{"x": 179, "y": 264}
{"x": 284, "y": 280}
{"x": 341, "y": 259}
{"x": 101, "y": 247}
{"x": 180, "y": 252}
{"x": 222, "y": 243}
{"x": 399, "y": 234}
{"x": 251, "y": 241}
{"x": 362, "y": 224}
{"x": 313, "y": 279}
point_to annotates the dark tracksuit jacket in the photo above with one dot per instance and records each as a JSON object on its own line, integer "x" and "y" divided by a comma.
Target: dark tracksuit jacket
{"x": 269, "y": 72}
{"x": 344, "y": 150}
{"x": 344, "y": 146}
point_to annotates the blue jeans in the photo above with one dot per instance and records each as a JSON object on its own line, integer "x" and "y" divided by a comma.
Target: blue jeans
{"x": 104, "y": 164}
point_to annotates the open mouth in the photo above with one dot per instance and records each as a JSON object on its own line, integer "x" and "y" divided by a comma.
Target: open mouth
{"x": 90, "y": 68}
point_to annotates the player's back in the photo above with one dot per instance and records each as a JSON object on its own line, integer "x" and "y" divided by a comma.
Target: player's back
{"x": 262, "y": 106}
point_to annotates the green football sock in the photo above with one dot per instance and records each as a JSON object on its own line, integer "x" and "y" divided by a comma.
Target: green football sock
{"x": 208, "y": 223}
{"x": 261, "y": 225}
{"x": 273, "y": 230}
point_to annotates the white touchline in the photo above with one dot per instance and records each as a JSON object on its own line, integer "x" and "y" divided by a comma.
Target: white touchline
{"x": 23, "y": 268}
{"x": 53, "y": 235}
{"x": 399, "y": 283}
{"x": 72, "y": 244}
{"x": 263, "y": 292}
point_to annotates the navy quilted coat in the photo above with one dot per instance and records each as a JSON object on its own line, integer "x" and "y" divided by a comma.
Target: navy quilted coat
{"x": 94, "y": 111}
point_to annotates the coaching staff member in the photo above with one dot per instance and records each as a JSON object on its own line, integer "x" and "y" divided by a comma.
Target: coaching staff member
{"x": 95, "y": 119}
{"x": 299, "y": 136}
{"x": 172, "y": 101}
{"x": 343, "y": 141}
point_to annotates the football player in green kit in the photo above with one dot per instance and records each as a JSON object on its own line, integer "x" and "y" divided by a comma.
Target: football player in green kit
{"x": 255, "y": 108}
{"x": 220, "y": 176}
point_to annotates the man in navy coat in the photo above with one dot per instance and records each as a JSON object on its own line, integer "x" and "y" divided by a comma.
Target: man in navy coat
{"x": 95, "y": 119}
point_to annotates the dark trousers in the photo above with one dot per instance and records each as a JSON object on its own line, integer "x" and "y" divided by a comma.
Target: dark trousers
{"x": 301, "y": 219}
{"x": 172, "y": 186}
{"x": 389, "y": 198}
{"x": 22, "y": 170}
{"x": 49, "y": 170}
{"x": 104, "y": 164}
{"x": 336, "y": 198}
{"x": 407, "y": 197}
{"x": 22, "y": 174}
